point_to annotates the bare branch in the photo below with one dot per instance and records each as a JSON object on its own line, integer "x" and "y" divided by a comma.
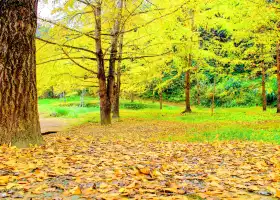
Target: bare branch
{"x": 66, "y": 46}
{"x": 59, "y": 59}
{"x": 78, "y": 64}
{"x": 66, "y": 27}
{"x": 162, "y": 16}
{"x": 145, "y": 56}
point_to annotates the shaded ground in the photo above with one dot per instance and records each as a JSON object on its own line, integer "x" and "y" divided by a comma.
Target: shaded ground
{"x": 127, "y": 161}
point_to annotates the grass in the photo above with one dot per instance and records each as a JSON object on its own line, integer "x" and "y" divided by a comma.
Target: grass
{"x": 227, "y": 124}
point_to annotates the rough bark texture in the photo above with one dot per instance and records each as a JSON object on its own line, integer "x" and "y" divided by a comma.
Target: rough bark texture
{"x": 19, "y": 119}
{"x": 264, "y": 104}
{"x": 117, "y": 87}
{"x": 278, "y": 77}
{"x": 105, "y": 101}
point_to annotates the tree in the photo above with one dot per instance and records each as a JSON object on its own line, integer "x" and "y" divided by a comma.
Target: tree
{"x": 19, "y": 120}
{"x": 90, "y": 48}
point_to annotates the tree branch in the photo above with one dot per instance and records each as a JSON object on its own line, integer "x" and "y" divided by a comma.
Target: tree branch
{"x": 66, "y": 27}
{"x": 59, "y": 59}
{"x": 66, "y": 46}
{"x": 78, "y": 64}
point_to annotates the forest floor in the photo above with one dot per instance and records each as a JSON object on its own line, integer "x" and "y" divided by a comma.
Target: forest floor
{"x": 131, "y": 160}
{"x": 148, "y": 154}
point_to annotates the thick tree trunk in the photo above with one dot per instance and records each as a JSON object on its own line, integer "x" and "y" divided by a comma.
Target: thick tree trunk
{"x": 105, "y": 101}
{"x": 117, "y": 87}
{"x": 19, "y": 119}
{"x": 264, "y": 104}
{"x": 278, "y": 77}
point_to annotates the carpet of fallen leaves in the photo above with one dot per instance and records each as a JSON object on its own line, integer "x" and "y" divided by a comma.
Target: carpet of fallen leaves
{"x": 125, "y": 161}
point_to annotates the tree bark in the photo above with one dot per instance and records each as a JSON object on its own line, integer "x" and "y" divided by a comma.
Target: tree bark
{"x": 188, "y": 73}
{"x": 117, "y": 87}
{"x": 264, "y": 104}
{"x": 19, "y": 119}
{"x": 278, "y": 77}
{"x": 105, "y": 101}
{"x": 114, "y": 51}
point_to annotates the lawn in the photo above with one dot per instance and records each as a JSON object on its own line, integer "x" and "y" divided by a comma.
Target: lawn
{"x": 227, "y": 124}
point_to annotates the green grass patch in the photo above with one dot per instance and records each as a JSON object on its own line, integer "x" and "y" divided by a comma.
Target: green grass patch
{"x": 227, "y": 124}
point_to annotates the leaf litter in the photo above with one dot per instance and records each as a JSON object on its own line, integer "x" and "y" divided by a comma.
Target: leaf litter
{"x": 126, "y": 161}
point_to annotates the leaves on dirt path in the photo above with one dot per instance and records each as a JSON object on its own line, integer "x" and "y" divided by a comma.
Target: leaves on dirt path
{"x": 102, "y": 166}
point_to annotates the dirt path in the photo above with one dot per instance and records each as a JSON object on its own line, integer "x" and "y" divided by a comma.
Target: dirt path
{"x": 54, "y": 124}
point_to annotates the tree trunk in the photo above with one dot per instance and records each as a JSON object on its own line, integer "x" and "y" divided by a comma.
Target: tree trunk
{"x": 278, "y": 77}
{"x": 132, "y": 97}
{"x": 52, "y": 92}
{"x": 188, "y": 87}
{"x": 264, "y": 104}
{"x": 213, "y": 98}
{"x": 117, "y": 87}
{"x": 19, "y": 119}
{"x": 105, "y": 101}
{"x": 188, "y": 73}
{"x": 198, "y": 94}
{"x": 197, "y": 88}
{"x": 160, "y": 100}
{"x": 82, "y": 99}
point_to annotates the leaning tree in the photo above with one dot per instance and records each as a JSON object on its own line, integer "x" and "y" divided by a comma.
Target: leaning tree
{"x": 19, "y": 119}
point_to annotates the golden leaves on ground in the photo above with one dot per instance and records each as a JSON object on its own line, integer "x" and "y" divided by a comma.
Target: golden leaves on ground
{"x": 91, "y": 164}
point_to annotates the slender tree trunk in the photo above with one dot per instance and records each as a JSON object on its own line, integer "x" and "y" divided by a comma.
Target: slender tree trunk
{"x": 117, "y": 87}
{"x": 197, "y": 88}
{"x": 82, "y": 99}
{"x": 64, "y": 96}
{"x": 105, "y": 101}
{"x": 188, "y": 73}
{"x": 188, "y": 87}
{"x": 278, "y": 77}
{"x": 19, "y": 119}
{"x": 52, "y": 92}
{"x": 160, "y": 100}
{"x": 264, "y": 104}
{"x": 132, "y": 97}
{"x": 198, "y": 94}
{"x": 213, "y": 98}
{"x": 114, "y": 52}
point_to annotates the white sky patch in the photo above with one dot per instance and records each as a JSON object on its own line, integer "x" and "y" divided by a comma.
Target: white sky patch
{"x": 45, "y": 9}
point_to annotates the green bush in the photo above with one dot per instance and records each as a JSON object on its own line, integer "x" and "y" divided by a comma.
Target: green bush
{"x": 134, "y": 106}
{"x": 60, "y": 112}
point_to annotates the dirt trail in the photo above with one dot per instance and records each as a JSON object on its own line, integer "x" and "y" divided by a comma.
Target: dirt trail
{"x": 54, "y": 124}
